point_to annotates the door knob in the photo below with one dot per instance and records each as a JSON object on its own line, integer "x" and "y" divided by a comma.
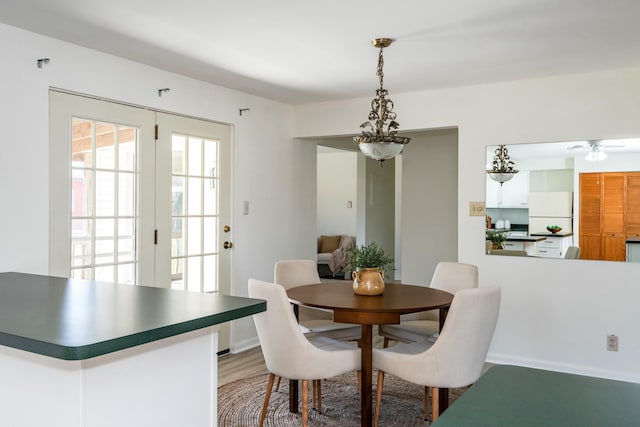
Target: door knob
{"x": 227, "y": 245}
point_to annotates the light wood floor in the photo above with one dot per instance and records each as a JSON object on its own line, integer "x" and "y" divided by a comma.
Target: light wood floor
{"x": 246, "y": 364}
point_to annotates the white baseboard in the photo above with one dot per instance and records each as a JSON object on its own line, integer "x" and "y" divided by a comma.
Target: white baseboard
{"x": 244, "y": 345}
{"x": 503, "y": 359}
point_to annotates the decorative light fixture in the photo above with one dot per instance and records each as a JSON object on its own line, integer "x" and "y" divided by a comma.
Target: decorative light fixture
{"x": 502, "y": 166}
{"x": 379, "y": 139}
{"x": 595, "y": 154}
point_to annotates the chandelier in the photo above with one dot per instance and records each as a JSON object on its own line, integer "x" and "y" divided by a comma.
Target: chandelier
{"x": 379, "y": 139}
{"x": 502, "y": 166}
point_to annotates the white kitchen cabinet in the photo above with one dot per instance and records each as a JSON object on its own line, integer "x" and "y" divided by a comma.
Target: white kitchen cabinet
{"x": 633, "y": 252}
{"x": 512, "y": 194}
{"x": 513, "y": 246}
{"x": 529, "y": 247}
{"x": 554, "y": 246}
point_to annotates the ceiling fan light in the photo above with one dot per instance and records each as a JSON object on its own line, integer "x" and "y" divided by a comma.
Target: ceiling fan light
{"x": 596, "y": 156}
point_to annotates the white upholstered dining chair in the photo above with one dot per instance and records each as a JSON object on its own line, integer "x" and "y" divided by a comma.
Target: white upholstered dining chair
{"x": 457, "y": 357}
{"x": 573, "y": 252}
{"x": 448, "y": 276}
{"x": 298, "y": 272}
{"x": 289, "y": 353}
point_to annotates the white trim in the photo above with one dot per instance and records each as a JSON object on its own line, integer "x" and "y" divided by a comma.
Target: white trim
{"x": 503, "y": 359}
{"x": 244, "y": 345}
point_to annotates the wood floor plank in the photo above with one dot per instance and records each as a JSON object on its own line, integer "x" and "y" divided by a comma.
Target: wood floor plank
{"x": 246, "y": 364}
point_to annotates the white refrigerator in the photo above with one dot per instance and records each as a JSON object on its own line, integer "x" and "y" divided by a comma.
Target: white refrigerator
{"x": 550, "y": 208}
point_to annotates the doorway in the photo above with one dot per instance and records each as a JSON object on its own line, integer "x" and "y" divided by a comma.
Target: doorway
{"x": 139, "y": 197}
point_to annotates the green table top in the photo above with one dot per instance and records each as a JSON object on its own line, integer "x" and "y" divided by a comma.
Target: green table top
{"x": 513, "y": 396}
{"x": 79, "y": 319}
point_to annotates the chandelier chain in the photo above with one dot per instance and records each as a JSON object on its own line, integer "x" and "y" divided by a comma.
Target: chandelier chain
{"x": 380, "y": 71}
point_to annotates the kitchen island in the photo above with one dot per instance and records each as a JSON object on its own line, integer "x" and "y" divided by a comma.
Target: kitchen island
{"x": 555, "y": 245}
{"x": 77, "y": 353}
{"x": 523, "y": 243}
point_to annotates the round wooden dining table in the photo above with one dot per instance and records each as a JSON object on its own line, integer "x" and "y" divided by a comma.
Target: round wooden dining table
{"x": 367, "y": 311}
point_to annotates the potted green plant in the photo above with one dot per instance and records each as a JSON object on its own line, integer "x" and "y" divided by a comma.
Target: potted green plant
{"x": 368, "y": 265}
{"x": 497, "y": 238}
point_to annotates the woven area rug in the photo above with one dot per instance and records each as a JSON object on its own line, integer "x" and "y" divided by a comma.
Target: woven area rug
{"x": 240, "y": 403}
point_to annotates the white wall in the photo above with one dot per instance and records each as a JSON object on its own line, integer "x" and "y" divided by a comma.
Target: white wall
{"x": 430, "y": 200}
{"x": 270, "y": 169}
{"x": 337, "y": 184}
{"x": 380, "y": 205}
{"x": 554, "y": 314}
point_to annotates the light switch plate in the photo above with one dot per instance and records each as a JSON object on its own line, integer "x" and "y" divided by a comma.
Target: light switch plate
{"x": 476, "y": 208}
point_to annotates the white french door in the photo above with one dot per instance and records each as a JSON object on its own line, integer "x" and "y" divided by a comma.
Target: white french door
{"x": 193, "y": 159}
{"x": 138, "y": 197}
{"x": 101, "y": 189}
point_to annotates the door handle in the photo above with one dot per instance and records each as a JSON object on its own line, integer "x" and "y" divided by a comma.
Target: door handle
{"x": 227, "y": 245}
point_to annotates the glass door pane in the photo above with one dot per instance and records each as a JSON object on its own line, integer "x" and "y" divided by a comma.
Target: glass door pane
{"x": 104, "y": 213}
{"x": 194, "y": 213}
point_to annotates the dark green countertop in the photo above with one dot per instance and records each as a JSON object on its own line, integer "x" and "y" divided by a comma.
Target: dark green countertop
{"x": 531, "y": 238}
{"x": 79, "y": 319}
{"x": 550, "y": 234}
{"x": 513, "y": 396}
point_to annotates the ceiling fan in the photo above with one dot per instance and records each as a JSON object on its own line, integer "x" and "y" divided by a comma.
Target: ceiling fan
{"x": 595, "y": 149}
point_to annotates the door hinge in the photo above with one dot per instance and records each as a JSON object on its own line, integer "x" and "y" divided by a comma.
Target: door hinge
{"x": 155, "y": 236}
{"x": 156, "y": 133}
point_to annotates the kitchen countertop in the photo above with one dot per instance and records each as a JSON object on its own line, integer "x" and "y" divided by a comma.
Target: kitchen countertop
{"x": 78, "y": 319}
{"x": 549, "y": 234}
{"x": 633, "y": 239}
{"x": 530, "y": 238}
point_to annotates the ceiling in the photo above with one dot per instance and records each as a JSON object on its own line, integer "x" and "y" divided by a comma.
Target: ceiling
{"x": 567, "y": 149}
{"x": 300, "y": 51}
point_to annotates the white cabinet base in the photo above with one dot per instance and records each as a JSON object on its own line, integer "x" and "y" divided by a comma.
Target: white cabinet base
{"x": 166, "y": 383}
{"x": 633, "y": 252}
{"x": 554, "y": 247}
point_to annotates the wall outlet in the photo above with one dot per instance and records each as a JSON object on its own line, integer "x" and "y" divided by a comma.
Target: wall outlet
{"x": 612, "y": 343}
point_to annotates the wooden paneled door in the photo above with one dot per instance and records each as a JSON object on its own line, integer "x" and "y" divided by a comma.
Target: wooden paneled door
{"x": 613, "y": 218}
{"x": 590, "y": 201}
{"x": 609, "y": 214}
{"x": 633, "y": 204}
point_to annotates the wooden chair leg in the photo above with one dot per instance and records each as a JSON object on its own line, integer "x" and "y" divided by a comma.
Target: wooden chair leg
{"x": 267, "y": 396}
{"x": 313, "y": 393}
{"x": 359, "y": 384}
{"x": 278, "y": 384}
{"x": 379, "y": 386}
{"x": 435, "y": 404}
{"x": 305, "y": 403}
{"x": 426, "y": 403}
{"x": 316, "y": 387}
